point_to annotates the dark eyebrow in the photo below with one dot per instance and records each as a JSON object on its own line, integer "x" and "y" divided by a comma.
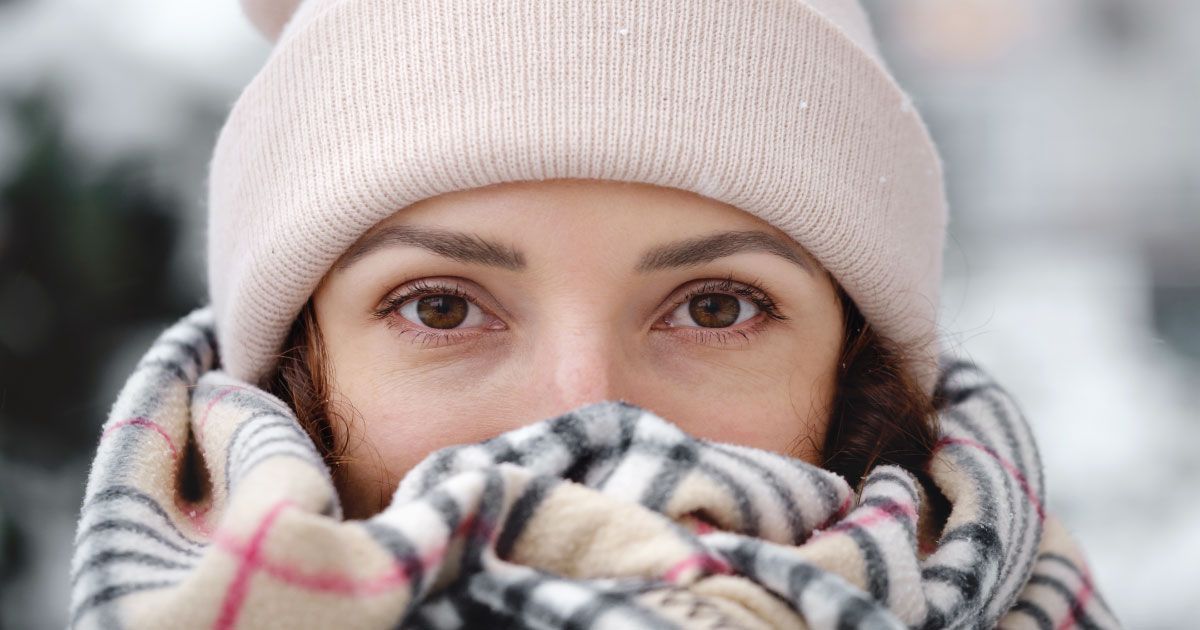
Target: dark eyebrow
{"x": 471, "y": 249}
{"x": 466, "y": 248}
{"x": 702, "y": 249}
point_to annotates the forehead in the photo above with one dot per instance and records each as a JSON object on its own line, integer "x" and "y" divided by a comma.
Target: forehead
{"x": 558, "y": 227}
{"x": 633, "y": 212}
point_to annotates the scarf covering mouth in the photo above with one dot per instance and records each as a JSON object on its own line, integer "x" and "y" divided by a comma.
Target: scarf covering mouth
{"x": 606, "y": 516}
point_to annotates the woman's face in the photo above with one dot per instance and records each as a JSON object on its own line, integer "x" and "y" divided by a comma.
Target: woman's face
{"x": 475, "y": 312}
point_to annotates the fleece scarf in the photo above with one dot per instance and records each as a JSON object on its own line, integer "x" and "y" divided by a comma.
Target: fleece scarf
{"x": 607, "y": 516}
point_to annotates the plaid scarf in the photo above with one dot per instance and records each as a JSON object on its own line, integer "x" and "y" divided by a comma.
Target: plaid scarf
{"x": 207, "y": 506}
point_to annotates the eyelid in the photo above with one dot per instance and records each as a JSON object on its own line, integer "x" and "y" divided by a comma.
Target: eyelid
{"x": 442, "y": 285}
{"x": 437, "y": 285}
{"x": 749, "y": 290}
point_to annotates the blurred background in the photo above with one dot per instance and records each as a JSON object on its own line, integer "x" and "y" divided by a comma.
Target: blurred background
{"x": 1071, "y": 138}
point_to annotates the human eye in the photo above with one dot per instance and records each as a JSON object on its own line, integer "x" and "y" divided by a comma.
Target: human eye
{"x": 435, "y": 311}
{"x": 722, "y": 311}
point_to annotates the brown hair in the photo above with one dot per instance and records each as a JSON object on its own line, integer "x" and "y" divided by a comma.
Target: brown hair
{"x": 880, "y": 415}
{"x": 303, "y": 380}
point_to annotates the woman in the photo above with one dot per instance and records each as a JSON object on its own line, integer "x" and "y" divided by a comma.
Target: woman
{"x": 574, "y": 314}
{"x": 525, "y": 300}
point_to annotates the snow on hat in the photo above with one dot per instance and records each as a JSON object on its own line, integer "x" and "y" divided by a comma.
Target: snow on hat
{"x": 781, "y": 108}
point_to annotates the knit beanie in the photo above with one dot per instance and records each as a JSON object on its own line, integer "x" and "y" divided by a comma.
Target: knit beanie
{"x": 781, "y": 108}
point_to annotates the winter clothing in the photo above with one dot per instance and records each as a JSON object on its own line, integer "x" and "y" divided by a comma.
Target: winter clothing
{"x": 606, "y": 516}
{"x": 781, "y": 108}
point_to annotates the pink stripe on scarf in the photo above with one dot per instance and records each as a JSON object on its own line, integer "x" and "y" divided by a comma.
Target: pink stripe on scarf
{"x": 208, "y": 408}
{"x": 226, "y": 390}
{"x": 235, "y": 595}
{"x": 334, "y": 582}
{"x": 704, "y": 561}
{"x": 193, "y": 513}
{"x": 842, "y": 510}
{"x": 869, "y": 517}
{"x": 143, "y": 422}
{"x": 1081, "y": 598}
{"x": 1012, "y": 469}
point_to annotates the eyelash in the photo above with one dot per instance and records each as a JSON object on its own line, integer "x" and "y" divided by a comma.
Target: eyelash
{"x": 748, "y": 290}
{"x": 419, "y": 289}
{"x": 724, "y": 336}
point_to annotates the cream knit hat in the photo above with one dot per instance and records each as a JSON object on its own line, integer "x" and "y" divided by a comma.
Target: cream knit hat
{"x": 782, "y": 108}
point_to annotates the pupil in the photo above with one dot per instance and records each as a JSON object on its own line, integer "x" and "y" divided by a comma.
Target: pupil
{"x": 442, "y": 311}
{"x": 714, "y": 310}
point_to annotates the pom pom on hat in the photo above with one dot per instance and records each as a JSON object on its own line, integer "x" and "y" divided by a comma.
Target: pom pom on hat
{"x": 269, "y": 16}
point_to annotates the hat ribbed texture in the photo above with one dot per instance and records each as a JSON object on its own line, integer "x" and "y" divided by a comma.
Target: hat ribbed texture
{"x": 781, "y": 108}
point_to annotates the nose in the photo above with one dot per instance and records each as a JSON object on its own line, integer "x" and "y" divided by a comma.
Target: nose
{"x": 584, "y": 365}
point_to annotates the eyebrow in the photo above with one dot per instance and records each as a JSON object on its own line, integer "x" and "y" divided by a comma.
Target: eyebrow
{"x": 702, "y": 249}
{"x": 466, "y": 248}
{"x": 472, "y": 249}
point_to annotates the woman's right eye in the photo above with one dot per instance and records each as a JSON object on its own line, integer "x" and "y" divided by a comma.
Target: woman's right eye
{"x": 435, "y": 311}
{"x": 442, "y": 312}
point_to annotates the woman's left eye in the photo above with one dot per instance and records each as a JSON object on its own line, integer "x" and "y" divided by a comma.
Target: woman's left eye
{"x": 713, "y": 310}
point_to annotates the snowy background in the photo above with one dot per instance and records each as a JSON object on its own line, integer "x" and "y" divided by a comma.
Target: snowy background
{"x": 1070, "y": 130}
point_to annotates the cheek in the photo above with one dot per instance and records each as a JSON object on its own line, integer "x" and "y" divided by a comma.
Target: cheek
{"x": 777, "y": 401}
{"x": 402, "y": 414}
{"x": 401, "y": 420}
{"x": 785, "y": 420}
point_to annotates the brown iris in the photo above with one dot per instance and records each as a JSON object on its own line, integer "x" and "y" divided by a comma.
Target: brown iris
{"x": 442, "y": 311}
{"x": 714, "y": 310}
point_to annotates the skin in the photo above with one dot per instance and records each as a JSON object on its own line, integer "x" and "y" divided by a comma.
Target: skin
{"x": 579, "y": 323}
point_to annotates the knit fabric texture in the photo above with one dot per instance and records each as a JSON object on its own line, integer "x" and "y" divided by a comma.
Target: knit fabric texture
{"x": 207, "y": 506}
{"x": 781, "y": 108}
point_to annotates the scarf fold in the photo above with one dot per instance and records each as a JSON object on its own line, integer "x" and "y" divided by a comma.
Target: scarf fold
{"x": 207, "y": 506}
